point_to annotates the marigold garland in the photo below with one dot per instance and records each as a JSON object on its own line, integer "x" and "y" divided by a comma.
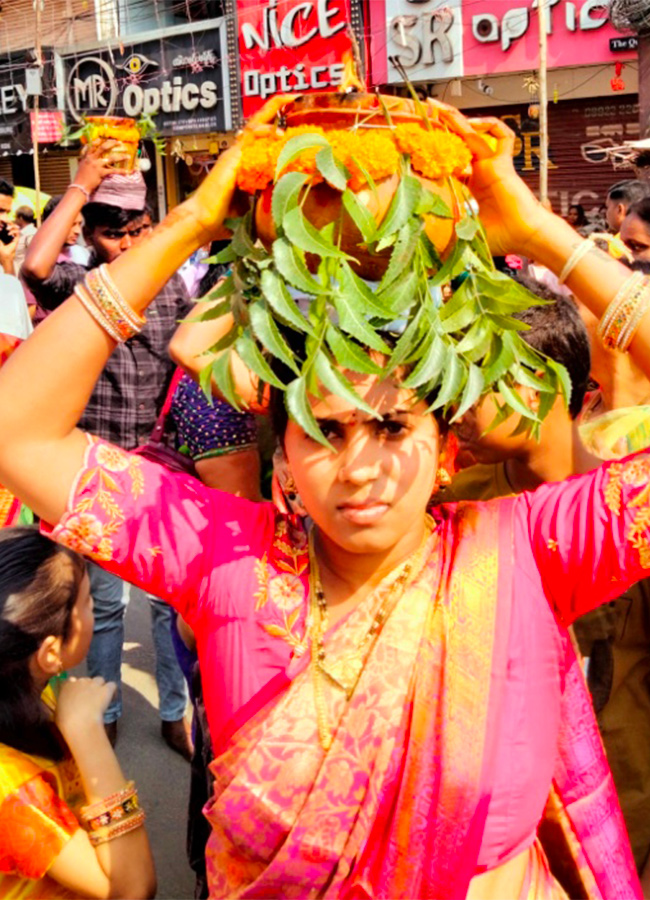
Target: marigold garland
{"x": 434, "y": 154}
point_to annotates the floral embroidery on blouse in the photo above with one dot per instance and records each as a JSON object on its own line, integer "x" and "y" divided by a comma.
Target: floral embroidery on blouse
{"x": 281, "y": 594}
{"x": 97, "y": 515}
{"x": 635, "y": 474}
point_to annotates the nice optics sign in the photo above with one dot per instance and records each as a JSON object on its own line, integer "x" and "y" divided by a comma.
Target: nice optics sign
{"x": 440, "y": 39}
{"x": 292, "y": 45}
{"x": 179, "y": 80}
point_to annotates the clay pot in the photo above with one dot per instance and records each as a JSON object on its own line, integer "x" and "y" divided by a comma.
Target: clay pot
{"x": 324, "y": 205}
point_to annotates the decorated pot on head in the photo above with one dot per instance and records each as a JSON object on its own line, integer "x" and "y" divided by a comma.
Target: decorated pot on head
{"x": 361, "y": 251}
{"x": 352, "y": 151}
{"x": 124, "y": 134}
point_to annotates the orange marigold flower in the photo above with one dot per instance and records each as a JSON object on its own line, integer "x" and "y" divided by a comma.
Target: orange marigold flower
{"x": 373, "y": 151}
{"x": 257, "y": 165}
{"x": 434, "y": 154}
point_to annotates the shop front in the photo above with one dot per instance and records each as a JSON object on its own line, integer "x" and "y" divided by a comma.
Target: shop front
{"x": 177, "y": 77}
{"x": 19, "y": 84}
{"x": 483, "y": 57}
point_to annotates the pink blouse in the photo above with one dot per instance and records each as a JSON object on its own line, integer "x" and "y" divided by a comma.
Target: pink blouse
{"x": 238, "y": 573}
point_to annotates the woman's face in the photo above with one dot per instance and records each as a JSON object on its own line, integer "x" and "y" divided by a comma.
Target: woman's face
{"x": 372, "y": 490}
{"x": 82, "y": 620}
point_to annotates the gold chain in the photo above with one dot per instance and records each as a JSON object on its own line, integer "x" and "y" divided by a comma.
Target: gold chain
{"x": 345, "y": 672}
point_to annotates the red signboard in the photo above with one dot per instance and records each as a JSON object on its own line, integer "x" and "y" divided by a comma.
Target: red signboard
{"x": 289, "y": 46}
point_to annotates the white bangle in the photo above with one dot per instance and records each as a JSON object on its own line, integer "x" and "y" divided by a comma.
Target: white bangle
{"x": 574, "y": 259}
{"x": 81, "y": 188}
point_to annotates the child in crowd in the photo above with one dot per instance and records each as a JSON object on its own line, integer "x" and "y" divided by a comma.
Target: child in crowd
{"x": 70, "y": 823}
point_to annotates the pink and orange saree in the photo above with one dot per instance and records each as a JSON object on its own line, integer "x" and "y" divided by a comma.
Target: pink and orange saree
{"x": 468, "y": 743}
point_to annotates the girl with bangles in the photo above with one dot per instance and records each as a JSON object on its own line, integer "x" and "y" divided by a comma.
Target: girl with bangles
{"x": 394, "y": 703}
{"x": 70, "y": 824}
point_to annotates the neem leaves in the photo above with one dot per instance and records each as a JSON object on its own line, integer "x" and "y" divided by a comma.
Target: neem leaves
{"x": 455, "y": 351}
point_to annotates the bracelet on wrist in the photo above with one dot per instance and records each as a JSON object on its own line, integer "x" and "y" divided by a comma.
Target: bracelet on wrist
{"x": 81, "y": 188}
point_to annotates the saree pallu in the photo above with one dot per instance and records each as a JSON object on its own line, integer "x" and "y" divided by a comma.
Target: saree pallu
{"x": 397, "y": 806}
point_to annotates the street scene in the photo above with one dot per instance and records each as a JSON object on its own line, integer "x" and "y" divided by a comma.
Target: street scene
{"x": 325, "y": 449}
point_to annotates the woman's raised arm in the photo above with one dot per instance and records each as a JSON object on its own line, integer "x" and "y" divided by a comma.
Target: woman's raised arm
{"x": 47, "y": 383}
{"x": 516, "y": 222}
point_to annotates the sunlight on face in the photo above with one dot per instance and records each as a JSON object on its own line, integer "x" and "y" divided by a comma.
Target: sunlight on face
{"x": 373, "y": 489}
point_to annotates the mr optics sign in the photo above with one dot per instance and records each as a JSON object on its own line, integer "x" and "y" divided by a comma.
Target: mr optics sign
{"x": 180, "y": 81}
{"x": 439, "y": 40}
{"x": 292, "y": 46}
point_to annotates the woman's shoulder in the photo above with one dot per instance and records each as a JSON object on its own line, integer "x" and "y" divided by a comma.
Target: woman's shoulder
{"x": 18, "y": 768}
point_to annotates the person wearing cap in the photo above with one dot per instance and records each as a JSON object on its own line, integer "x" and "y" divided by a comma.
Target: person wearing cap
{"x": 125, "y": 403}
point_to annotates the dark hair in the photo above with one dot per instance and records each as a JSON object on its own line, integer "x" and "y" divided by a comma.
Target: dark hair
{"x": 582, "y": 215}
{"x": 628, "y": 192}
{"x": 6, "y": 187}
{"x": 642, "y": 161}
{"x": 39, "y": 585}
{"x": 50, "y": 206}
{"x": 558, "y": 331}
{"x": 26, "y": 213}
{"x": 641, "y": 209}
{"x": 104, "y": 215}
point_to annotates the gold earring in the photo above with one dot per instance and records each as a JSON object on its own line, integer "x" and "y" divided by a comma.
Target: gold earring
{"x": 290, "y": 486}
{"x": 443, "y": 478}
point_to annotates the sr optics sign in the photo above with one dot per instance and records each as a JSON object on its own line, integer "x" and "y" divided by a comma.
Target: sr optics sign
{"x": 179, "y": 80}
{"x": 291, "y": 45}
{"x": 438, "y": 40}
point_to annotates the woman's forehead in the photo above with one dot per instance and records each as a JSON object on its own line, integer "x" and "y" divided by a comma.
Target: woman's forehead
{"x": 383, "y": 395}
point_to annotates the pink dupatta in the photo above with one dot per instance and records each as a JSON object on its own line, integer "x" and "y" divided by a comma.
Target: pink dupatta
{"x": 394, "y": 808}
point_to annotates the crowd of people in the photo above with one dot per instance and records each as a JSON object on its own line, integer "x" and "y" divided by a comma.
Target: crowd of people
{"x": 385, "y": 670}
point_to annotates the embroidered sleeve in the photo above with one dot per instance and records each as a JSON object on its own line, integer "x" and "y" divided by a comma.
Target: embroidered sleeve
{"x": 162, "y": 531}
{"x": 591, "y": 534}
{"x": 35, "y": 826}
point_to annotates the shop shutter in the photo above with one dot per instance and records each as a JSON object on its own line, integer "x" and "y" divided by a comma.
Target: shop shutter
{"x": 5, "y": 168}
{"x": 580, "y": 131}
{"x": 55, "y": 172}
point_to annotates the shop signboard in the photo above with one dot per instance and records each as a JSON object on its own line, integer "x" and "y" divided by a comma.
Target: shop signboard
{"x": 179, "y": 78}
{"x": 442, "y": 39}
{"x": 289, "y": 46}
{"x": 16, "y": 101}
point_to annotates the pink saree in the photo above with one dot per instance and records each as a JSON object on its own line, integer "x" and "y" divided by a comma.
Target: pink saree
{"x": 431, "y": 780}
{"x": 395, "y": 808}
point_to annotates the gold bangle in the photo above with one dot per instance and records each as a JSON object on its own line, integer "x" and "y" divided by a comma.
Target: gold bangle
{"x": 115, "y": 813}
{"x": 105, "y": 301}
{"x": 128, "y": 311}
{"x": 104, "y": 323}
{"x": 580, "y": 251}
{"x": 641, "y": 308}
{"x": 117, "y": 829}
{"x": 100, "y": 806}
{"x": 616, "y": 328}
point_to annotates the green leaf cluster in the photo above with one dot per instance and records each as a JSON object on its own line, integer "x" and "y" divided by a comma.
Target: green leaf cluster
{"x": 449, "y": 353}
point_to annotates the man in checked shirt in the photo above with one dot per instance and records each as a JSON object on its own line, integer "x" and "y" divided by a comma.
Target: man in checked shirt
{"x": 125, "y": 403}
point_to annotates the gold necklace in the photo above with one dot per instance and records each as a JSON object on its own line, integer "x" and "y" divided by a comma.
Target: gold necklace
{"x": 345, "y": 671}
